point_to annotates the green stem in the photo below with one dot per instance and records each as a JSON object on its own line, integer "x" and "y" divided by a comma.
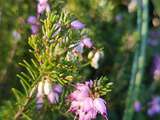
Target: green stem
{"x": 138, "y": 63}
{"x": 141, "y": 58}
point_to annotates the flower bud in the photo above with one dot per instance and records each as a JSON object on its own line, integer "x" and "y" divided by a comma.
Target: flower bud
{"x": 39, "y": 102}
{"x": 95, "y": 60}
{"x": 87, "y": 42}
{"x": 57, "y": 88}
{"x": 47, "y": 87}
{"x": 40, "y": 88}
{"x": 90, "y": 55}
{"x": 77, "y": 25}
{"x": 53, "y": 97}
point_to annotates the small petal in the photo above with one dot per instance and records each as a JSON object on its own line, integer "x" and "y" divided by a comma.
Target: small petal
{"x": 57, "y": 88}
{"x": 100, "y": 106}
{"x": 39, "y": 102}
{"x": 53, "y": 97}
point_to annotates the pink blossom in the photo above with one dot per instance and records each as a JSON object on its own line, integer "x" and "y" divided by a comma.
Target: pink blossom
{"x": 84, "y": 105}
{"x": 53, "y": 97}
{"x": 78, "y": 95}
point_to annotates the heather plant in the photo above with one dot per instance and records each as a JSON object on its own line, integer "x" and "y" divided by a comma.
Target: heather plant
{"x": 70, "y": 52}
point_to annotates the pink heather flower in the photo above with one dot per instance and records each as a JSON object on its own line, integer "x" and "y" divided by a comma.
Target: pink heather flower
{"x": 137, "y": 106}
{"x": 32, "y": 20}
{"x": 87, "y": 42}
{"x": 52, "y": 93}
{"x": 85, "y": 106}
{"x": 76, "y": 24}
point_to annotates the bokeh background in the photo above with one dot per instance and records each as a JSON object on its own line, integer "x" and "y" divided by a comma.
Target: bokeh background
{"x": 113, "y": 24}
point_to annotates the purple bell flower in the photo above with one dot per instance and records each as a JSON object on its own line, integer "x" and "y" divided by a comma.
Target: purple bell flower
{"x": 76, "y": 24}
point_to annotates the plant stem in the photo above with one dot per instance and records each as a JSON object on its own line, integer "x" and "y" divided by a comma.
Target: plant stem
{"x": 138, "y": 63}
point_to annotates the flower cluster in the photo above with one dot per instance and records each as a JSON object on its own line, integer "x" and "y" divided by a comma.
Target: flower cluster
{"x": 78, "y": 49}
{"x": 154, "y": 106}
{"x": 42, "y": 6}
{"x": 52, "y": 92}
{"x": 85, "y": 104}
{"x": 33, "y": 21}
